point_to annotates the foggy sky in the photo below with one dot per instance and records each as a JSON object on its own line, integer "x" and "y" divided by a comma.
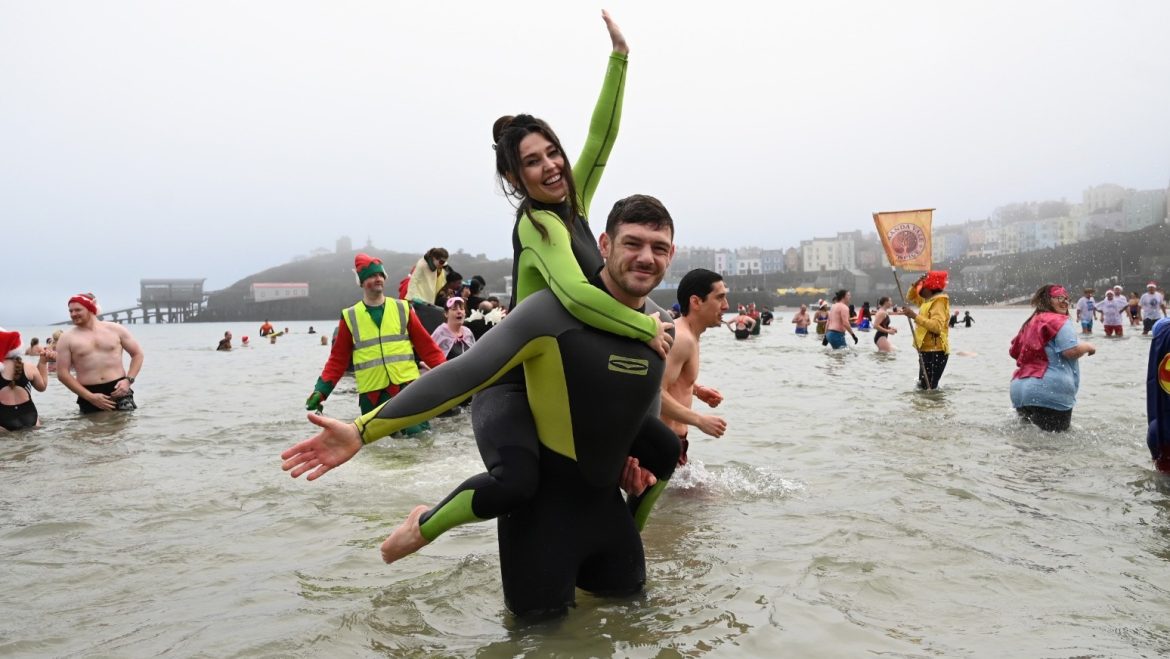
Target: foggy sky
{"x": 215, "y": 139}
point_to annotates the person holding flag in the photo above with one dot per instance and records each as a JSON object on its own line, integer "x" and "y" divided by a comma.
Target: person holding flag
{"x": 931, "y": 332}
{"x": 906, "y": 238}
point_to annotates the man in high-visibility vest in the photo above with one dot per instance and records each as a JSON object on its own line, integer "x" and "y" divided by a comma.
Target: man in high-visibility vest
{"x": 380, "y": 338}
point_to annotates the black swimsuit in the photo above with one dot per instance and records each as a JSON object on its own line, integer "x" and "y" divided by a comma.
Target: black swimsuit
{"x": 884, "y": 325}
{"x": 21, "y": 415}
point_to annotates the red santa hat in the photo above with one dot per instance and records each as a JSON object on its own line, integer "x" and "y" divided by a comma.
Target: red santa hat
{"x": 366, "y": 266}
{"x": 10, "y": 344}
{"x": 88, "y": 301}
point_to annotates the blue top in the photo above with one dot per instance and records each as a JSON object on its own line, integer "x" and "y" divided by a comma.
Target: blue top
{"x": 1057, "y": 390}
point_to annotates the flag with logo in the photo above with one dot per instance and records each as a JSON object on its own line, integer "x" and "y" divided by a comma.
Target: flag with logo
{"x": 906, "y": 237}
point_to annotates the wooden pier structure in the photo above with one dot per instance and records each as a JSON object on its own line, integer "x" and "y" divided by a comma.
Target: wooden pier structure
{"x": 161, "y": 301}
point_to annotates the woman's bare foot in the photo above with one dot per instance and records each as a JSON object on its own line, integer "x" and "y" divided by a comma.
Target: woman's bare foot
{"x": 406, "y": 539}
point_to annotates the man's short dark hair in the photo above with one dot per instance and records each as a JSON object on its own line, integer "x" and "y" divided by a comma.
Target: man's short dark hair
{"x": 639, "y": 209}
{"x": 699, "y": 282}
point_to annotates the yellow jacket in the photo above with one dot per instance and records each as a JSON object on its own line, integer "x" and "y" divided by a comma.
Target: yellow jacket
{"x": 930, "y": 327}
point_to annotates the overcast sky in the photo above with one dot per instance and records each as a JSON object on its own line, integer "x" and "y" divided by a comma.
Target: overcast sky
{"x": 215, "y": 139}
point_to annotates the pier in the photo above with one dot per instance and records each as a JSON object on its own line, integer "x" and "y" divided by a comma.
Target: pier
{"x": 161, "y": 301}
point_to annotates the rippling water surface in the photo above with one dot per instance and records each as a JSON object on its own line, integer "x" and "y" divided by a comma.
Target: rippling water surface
{"x": 843, "y": 514}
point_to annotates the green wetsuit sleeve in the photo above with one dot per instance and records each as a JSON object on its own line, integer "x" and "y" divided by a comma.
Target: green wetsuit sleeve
{"x": 603, "y": 130}
{"x": 553, "y": 259}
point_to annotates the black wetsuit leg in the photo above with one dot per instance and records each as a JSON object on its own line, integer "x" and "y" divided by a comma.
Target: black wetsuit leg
{"x": 571, "y": 534}
{"x": 505, "y": 433}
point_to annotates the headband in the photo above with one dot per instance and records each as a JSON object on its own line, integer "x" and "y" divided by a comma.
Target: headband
{"x": 86, "y": 302}
{"x": 1057, "y": 291}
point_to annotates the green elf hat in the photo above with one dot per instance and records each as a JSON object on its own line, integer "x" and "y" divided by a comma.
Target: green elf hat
{"x": 366, "y": 266}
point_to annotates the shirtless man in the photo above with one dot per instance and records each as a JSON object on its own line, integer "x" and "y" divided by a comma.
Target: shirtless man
{"x": 93, "y": 348}
{"x": 702, "y": 299}
{"x": 839, "y": 321}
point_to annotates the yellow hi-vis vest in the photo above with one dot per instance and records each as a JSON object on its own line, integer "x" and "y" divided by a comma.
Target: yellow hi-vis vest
{"x": 381, "y": 355}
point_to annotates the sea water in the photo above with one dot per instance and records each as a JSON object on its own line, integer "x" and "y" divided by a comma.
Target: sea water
{"x": 844, "y": 514}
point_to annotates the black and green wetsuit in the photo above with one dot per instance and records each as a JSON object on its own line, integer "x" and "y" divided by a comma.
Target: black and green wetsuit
{"x": 502, "y": 421}
{"x": 592, "y": 395}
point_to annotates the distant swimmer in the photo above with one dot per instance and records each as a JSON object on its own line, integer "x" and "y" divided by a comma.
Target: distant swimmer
{"x": 244, "y": 343}
{"x": 881, "y": 322}
{"x": 94, "y": 348}
{"x": 1112, "y": 310}
{"x": 838, "y": 323}
{"x": 225, "y": 343}
{"x": 311, "y": 330}
{"x": 17, "y": 410}
{"x": 1153, "y": 307}
{"x": 821, "y": 318}
{"x": 802, "y": 321}
{"x": 266, "y": 329}
{"x": 1087, "y": 311}
{"x": 741, "y": 326}
{"x": 968, "y": 321}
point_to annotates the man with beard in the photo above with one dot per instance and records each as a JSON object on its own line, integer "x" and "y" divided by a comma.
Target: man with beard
{"x": 93, "y": 350}
{"x": 575, "y": 531}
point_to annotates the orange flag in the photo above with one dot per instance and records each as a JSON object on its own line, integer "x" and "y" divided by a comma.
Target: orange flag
{"x": 906, "y": 237}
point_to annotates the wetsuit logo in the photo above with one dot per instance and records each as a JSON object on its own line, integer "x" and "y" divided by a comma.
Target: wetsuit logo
{"x": 1164, "y": 373}
{"x": 628, "y": 365}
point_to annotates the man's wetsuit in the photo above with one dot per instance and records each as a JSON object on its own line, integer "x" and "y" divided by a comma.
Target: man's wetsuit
{"x": 592, "y": 394}
{"x": 501, "y": 419}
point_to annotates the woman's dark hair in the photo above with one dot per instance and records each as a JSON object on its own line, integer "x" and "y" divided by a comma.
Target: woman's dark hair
{"x": 1041, "y": 302}
{"x": 840, "y": 295}
{"x": 507, "y": 133}
{"x": 883, "y": 300}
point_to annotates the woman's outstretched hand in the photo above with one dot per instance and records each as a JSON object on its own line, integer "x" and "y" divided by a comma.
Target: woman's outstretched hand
{"x": 615, "y": 34}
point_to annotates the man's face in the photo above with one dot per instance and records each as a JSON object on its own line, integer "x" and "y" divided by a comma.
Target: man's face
{"x": 637, "y": 256}
{"x": 710, "y": 311}
{"x": 78, "y": 314}
{"x": 375, "y": 283}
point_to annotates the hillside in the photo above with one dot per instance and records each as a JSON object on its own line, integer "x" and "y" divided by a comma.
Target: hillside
{"x": 332, "y": 285}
